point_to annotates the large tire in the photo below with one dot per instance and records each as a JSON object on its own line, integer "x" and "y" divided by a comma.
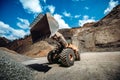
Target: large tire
{"x": 52, "y": 57}
{"x": 67, "y": 57}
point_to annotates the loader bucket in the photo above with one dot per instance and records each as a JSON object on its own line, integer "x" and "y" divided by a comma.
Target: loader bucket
{"x": 42, "y": 28}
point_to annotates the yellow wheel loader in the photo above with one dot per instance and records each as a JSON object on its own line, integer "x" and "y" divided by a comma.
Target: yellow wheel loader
{"x": 45, "y": 27}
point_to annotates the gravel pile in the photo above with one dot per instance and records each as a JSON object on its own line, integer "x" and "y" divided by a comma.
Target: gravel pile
{"x": 14, "y": 55}
{"x": 11, "y": 69}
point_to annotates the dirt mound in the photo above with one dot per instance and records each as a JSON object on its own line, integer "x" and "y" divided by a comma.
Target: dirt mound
{"x": 3, "y": 42}
{"x": 39, "y": 49}
{"x": 20, "y": 44}
{"x": 26, "y": 47}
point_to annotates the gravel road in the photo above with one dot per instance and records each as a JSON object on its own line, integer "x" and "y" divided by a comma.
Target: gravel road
{"x": 93, "y": 66}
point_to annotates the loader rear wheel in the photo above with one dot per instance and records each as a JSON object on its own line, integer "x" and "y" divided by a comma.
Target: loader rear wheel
{"x": 77, "y": 56}
{"x": 52, "y": 57}
{"x": 67, "y": 57}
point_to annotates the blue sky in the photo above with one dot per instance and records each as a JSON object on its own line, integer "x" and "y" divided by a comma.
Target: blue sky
{"x": 16, "y": 15}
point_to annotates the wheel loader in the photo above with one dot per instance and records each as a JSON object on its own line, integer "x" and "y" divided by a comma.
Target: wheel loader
{"x": 45, "y": 27}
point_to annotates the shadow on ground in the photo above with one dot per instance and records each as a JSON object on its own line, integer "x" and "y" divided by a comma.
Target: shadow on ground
{"x": 40, "y": 67}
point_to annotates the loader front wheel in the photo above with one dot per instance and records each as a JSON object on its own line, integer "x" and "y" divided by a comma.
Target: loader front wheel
{"x": 52, "y": 57}
{"x": 67, "y": 57}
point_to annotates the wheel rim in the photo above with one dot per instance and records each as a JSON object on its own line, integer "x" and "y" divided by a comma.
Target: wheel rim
{"x": 54, "y": 56}
{"x": 71, "y": 57}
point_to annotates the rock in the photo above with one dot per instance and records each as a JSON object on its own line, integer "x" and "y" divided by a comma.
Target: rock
{"x": 104, "y": 36}
{"x": 89, "y": 24}
{"x": 86, "y": 41}
{"x": 107, "y": 34}
{"x": 13, "y": 70}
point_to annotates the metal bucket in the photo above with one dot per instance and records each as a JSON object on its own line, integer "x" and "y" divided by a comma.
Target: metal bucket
{"x": 42, "y": 28}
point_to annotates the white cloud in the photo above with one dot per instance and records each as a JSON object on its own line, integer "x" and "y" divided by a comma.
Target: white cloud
{"x": 66, "y": 14}
{"x": 23, "y": 23}
{"x": 86, "y": 8}
{"x": 60, "y": 21}
{"x": 11, "y": 33}
{"x": 77, "y": 16}
{"x": 111, "y": 5}
{"x": 44, "y": 1}
{"x": 86, "y": 19}
{"x": 51, "y": 8}
{"x": 32, "y": 6}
